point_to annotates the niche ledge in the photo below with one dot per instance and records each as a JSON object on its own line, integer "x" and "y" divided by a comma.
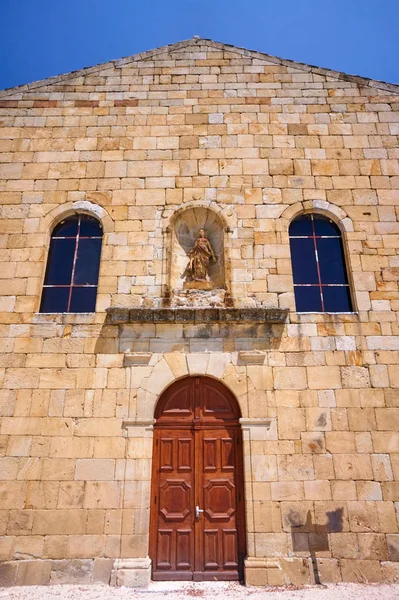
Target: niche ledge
{"x": 121, "y": 315}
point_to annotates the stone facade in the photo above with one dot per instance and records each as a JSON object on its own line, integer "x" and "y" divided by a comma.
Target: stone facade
{"x": 255, "y": 140}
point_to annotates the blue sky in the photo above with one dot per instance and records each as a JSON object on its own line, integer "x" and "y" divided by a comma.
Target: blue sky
{"x": 41, "y": 38}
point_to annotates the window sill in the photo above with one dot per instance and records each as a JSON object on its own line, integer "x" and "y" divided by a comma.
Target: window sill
{"x": 63, "y": 318}
{"x": 324, "y": 317}
{"x": 326, "y": 313}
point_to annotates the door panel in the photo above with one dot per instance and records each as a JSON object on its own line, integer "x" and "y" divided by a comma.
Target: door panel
{"x": 197, "y": 461}
{"x": 173, "y": 501}
{"x": 219, "y": 499}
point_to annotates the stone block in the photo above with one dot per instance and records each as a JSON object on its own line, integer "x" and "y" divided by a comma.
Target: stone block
{"x": 287, "y": 490}
{"x": 387, "y": 419}
{"x": 361, "y": 571}
{"x": 6, "y": 542}
{"x": 135, "y": 573}
{"x": 61, "y": 522}
{"x": 102, "y": 494}
{"x": 382, "y": 468}
{"x": 317, "y": 490}
{"x": 363, "y": 516}
{"x": 368, "y": 490}
{"x": 321, "y": 378}
{"x": 387, "y": 517}
{"x": 362, "y": 419}
{"x": 256, "y": 577}
{"x": 352, "y": 466}
{"x": 343, "y": 490}
{"x": 385, "y": 441}
{"x": 271, "y": 545}
{"x": 313, "y": 442}
{"x": 27, "y": 547}
{"x": 34, "y": 572}
{"x": 393, "y": 547}
{"x": 373, "y": 546}
{"x": 266, "y": 517}
{"x": 102, "y": 569}
{"x": 8, "y": 573}
{"x": 344, "y": 545}
{"x": 328, "y": 570}
{"x": 295, "y": 467}
{"x": 340, "y": 442}
{"x": 318, "y": 419}
{"x": 290, "y": 423}
{"x": 390, "y": 572}
{"x": 295, "y": 571}
{"x": 289, "y": 378}
{"x": 95, "y": 469}
{"x": 296, "y": 515}
{"x": 355, "y": 377}
{"x": 75, "y": 571}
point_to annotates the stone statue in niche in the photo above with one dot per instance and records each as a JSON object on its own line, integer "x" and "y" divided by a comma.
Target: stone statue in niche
{"x": 197, "y": 270}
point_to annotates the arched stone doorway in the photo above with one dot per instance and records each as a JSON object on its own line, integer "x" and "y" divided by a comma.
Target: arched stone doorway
{"x": 197, "y": 525}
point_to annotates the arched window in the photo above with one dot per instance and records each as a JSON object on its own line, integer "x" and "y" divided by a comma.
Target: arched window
{"x": 71, "y": 280}
{"x": 318, "y": 265}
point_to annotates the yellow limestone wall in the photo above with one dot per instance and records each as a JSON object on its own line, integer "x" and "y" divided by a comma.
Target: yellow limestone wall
{"x": 257, "y": 140}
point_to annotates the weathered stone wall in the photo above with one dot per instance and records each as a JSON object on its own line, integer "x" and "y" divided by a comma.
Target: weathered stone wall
{"x": 257, "y": 140}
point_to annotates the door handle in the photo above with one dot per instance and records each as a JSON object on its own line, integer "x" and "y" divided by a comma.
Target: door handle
{"x": 198, "y": 510}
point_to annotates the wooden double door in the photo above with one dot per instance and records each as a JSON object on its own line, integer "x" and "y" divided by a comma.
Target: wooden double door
{"x": 197, "y": 529}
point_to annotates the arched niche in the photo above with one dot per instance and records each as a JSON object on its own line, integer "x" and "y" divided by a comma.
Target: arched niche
{"x": 184, "y": 232}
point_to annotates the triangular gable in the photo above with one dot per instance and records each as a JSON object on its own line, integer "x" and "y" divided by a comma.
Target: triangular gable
{"x": 194, "y": 45}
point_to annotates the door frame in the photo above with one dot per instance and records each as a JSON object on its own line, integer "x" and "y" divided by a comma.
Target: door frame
{"x": 238, "y": 476}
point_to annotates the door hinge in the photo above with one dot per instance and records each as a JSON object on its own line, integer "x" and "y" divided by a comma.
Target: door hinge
{"x": 155, "y": 499}
{"x": 156, "y": 442}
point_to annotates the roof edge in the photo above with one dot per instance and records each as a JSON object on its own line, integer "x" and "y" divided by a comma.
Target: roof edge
{"x": 148, "y": 54}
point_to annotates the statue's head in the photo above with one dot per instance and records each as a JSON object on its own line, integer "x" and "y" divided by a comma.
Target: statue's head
{"x": 201, "y": 233}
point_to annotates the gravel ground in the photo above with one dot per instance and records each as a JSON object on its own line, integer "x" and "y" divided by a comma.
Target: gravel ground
{"x": 203, "y": 591}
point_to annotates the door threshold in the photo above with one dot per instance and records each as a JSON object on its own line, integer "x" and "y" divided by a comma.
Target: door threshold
{"x": 171, "y": 586}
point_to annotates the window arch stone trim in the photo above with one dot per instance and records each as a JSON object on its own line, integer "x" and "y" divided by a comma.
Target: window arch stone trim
{"x": 68, "y": 209}
{"x": 321, "y": 207}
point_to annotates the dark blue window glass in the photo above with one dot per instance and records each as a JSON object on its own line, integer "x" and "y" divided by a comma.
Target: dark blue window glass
{"x": 90, "y": 227}
{"x": 55, "y": 299}
{"x": 67, "y": 228}
{"x": 337, "y": 298}
{"x": 302, "y": 225}
{"x": 318, "y": 265}
{"x": 83, "y": 299}
{"x": 87, "y": 261}
{"x": 60, "y": 262}
{"x": 73, "y": 265}
{"x": 331, "y": 260}
{"x": 303, "y": 258}
{"x": 307, "y": 298}
{"x": 324, "y": 226}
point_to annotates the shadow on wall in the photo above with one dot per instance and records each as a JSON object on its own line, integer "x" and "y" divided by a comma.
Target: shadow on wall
{"x": 311, "y": 537}
{"x": 123, "y": 335}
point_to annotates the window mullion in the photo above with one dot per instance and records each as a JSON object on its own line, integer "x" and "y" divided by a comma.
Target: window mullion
{"x": 75, "y": 256}
{"x": 317, "y": 263}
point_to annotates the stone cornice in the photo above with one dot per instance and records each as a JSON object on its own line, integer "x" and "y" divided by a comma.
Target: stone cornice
{"x": 118, "y": 316}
